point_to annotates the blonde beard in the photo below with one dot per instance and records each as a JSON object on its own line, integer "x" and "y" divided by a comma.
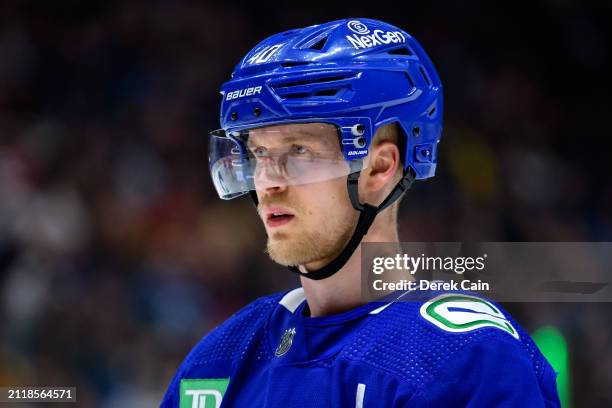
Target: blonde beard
{"x": 320, "y": 245}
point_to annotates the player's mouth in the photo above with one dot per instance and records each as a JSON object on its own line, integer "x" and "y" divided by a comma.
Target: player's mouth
{"x": 276, "y": 217}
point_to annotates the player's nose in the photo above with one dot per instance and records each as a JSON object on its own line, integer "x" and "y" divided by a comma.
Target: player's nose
{"x": 270, "y": 178}
{"x": 272, "y": 188}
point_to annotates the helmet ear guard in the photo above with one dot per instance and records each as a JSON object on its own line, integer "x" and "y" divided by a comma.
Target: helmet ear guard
{"x": 358, "y": 74}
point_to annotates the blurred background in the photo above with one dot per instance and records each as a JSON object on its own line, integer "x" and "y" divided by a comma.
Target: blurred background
{"x": 116, "y": 256}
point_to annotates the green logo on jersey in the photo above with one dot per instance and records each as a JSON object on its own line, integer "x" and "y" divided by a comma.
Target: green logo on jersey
{"x": 202, "y": 393}
{"x": 463, "y": 313}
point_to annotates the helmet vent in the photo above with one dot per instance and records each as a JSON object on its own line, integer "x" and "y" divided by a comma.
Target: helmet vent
{"x": 313, "y": 81}
{"x": 319, "y": 44}
{"x": 294, "y": 63}
{"x": 424, "y": 74}
{"x": 327, "y": 92}
{"x": 324, "y": 92}
{"x": 316, "y": 40}
{"x": 320, "y": 84}
{"x": 400, "y": 51}
{"x": 410, "y": 80}
{"x": 297, "y": 95}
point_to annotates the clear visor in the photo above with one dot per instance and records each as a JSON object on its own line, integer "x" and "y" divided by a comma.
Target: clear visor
{"x": 276, "y": 156}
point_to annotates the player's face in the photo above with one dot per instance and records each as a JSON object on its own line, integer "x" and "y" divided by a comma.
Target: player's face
{"x": 307, "y": 223}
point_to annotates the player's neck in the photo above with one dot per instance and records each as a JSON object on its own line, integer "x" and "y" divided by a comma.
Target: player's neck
{"x": 342, "y": 291}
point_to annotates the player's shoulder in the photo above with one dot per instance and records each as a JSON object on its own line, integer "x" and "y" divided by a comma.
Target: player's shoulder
{"x": 421, "y": 334}
{"x": 236, "y": 334}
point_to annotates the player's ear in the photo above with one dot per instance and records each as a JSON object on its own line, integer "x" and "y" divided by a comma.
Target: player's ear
{"x": 383, "y": 166}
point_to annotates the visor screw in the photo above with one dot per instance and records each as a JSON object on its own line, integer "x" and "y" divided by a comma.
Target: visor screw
{"x": 234, "y": 116}
{"x": 416, "y": 131}
{"x": 360, "y": 142}
{"x": 257, "y": 111}
{"x": 358, "y": 130}
{"x": 425, "y": 153}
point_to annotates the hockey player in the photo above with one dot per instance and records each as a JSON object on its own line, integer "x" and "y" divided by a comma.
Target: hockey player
{"x": 326, "y": 127}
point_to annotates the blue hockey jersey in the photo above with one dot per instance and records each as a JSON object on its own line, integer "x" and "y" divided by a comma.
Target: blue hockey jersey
{"x": 450, "y": 350}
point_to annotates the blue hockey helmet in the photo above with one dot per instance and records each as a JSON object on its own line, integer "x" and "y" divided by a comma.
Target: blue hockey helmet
{"x": 353, "y": 74}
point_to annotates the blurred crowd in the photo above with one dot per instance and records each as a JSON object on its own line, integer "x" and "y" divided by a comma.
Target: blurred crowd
{"x": 116, "y": 254}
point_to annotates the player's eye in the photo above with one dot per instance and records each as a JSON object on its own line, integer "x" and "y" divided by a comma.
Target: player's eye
{"x": 259, "y": 151}
{"x": 299, "y": 150}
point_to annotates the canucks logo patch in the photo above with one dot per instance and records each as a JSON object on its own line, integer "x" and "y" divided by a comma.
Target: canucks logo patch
{"x": 202, "y": 393}
{"x": 285, "y": 342}
{"x": 464, "y": 313}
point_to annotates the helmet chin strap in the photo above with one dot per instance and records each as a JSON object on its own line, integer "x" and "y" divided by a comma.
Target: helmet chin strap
{"x": 366, "y": 218}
